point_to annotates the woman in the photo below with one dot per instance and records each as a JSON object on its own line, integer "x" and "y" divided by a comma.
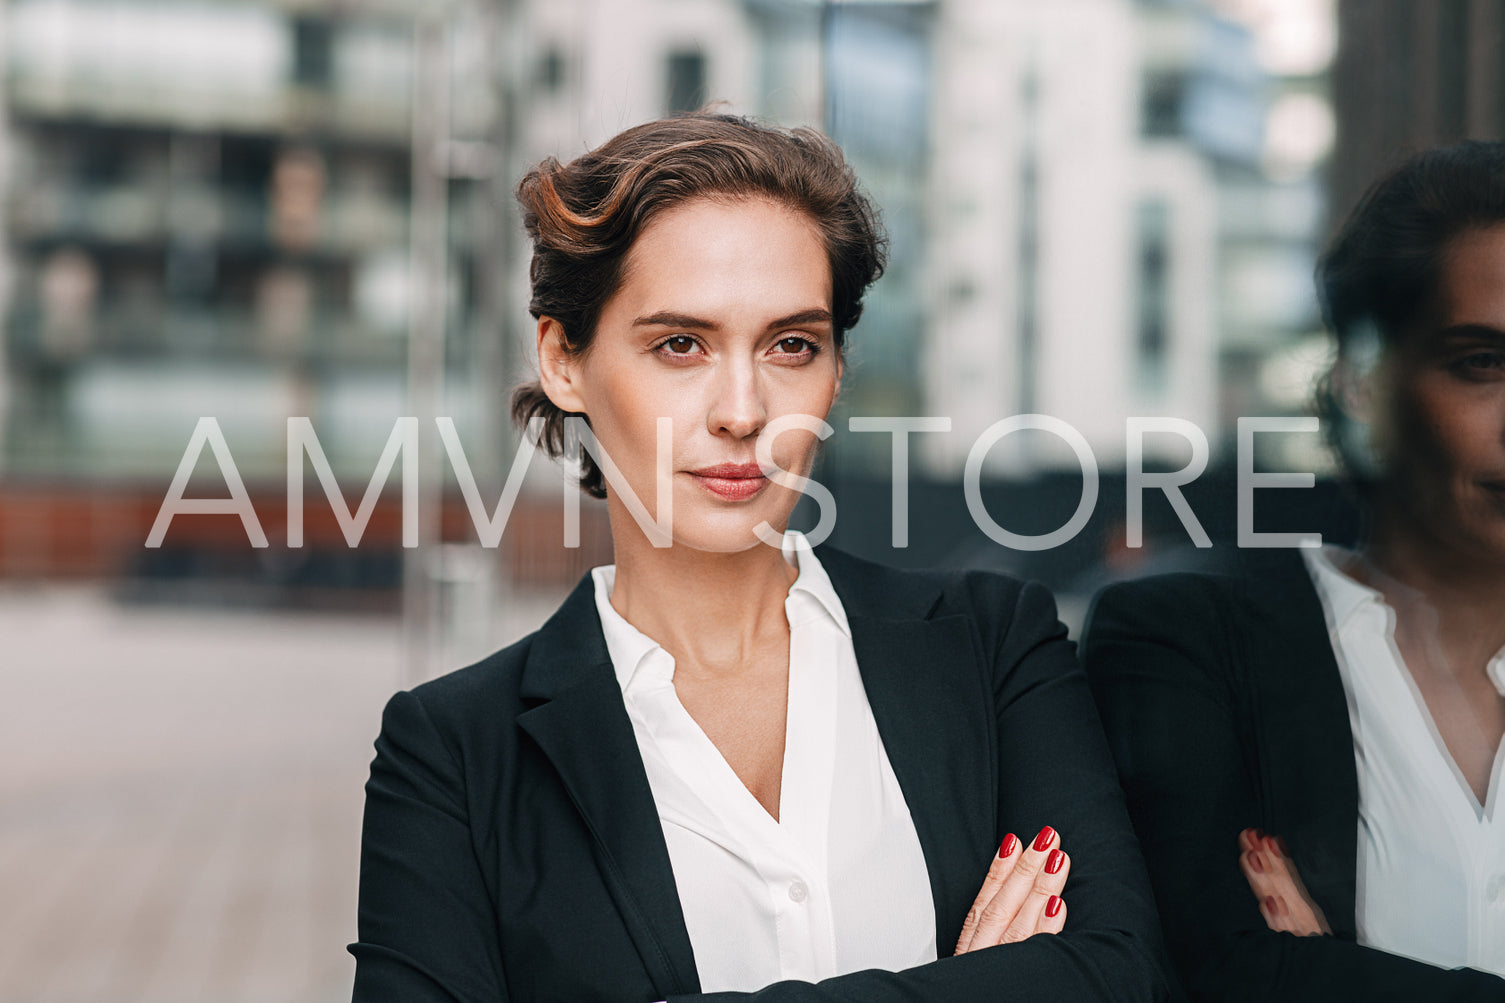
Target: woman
{"x": 724, "y": 766}
{"x": 1311, "y": 748}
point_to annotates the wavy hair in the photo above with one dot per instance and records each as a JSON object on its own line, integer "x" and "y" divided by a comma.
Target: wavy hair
{"x": 1383, "y": 267}
{"x": 583, "y": 217}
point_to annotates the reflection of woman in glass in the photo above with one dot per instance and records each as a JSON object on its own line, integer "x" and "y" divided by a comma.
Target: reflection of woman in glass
{"x": 725, "y": 765}
{"x": 1324, "y": 729}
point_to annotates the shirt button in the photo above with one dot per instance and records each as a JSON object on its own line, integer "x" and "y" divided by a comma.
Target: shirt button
{"x": 798, "y": 892}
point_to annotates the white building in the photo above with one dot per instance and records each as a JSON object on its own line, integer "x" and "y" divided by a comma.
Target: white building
{"x": 1072, "y": 263}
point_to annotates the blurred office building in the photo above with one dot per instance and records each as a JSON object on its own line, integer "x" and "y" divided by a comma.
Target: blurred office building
{"x": 1097, "y": 209}
{"x": 206, "y": 214}
{"x": 1132, "y": 248}
{"x": 1410, "y": 75}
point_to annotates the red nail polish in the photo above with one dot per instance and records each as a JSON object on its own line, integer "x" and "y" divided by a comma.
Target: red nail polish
{"x": 1053, "y": 906}
{"x": 1043, "y": 840}
{"x": 1270, "y": 905}
{"x": 1256, "y": 863}
{"x": 1008, "y": 846}
{"x": 1054, "y": 861}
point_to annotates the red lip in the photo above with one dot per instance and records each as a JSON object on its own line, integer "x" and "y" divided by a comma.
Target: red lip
{"x": 730, "y": 471}
{"x": 731, "y": 481}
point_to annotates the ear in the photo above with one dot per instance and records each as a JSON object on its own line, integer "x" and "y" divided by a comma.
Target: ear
{"x": 1354, "y": 389}
{"x": 558, "y": 367}
{"x": 1360, "y": 391}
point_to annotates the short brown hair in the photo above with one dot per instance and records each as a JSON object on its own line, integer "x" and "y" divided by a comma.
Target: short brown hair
{"x": 584, "y": 216}
{"x": 1384, "y": 265}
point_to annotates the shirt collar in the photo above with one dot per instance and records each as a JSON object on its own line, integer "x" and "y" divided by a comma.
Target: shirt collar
{"x": 629, "y": 647}
{"x": 1345, "y": 596}
{"x": 813, "y": 580}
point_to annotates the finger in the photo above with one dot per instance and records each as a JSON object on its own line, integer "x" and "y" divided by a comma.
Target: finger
{"x": 1004, "y": 906}
{"x": 1301, "y": 920}
{"x": 1275, "y": 864}
{"x": 1297, "y": 913}
{"x": 1246, "y": 841}
{"x": 1278, "y": 855}
{"x": 1269, "y": 910}
{"x": 1283, "y": 917}
{"x": 1257, "y": 874}
{"x": 1053, "y": 920}
{"x": 1048, "y": 885}
{"x": 1002, "y": 865}
{"x": 1279, "y": 876}
{"x": 1306, "y": 916}
{"x": 1275, "y": 846}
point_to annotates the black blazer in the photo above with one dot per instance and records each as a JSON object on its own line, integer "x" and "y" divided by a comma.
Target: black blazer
{"x": 512, "y": 850}
{"x": 1223, "y": 703}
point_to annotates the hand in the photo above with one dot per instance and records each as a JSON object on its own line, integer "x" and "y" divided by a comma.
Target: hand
{"x": 1021, "y": 896}
{"x": 1283, "y": 899}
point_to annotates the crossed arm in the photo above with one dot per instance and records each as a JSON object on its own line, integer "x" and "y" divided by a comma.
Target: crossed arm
{"x": 1153, "y": 652}
{"x": 420, "y": 869}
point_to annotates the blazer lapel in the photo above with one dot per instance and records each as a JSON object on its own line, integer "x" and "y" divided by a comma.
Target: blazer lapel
{"x": 1309, "y": 782}
{"x": 582, "y": 726}
{"x": 932, "y": 712}
{"x": 934, "y": 717}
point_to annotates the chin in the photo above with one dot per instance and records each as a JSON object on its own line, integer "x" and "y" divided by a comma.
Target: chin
{"x": 1489, "y": 547}
{"x": 728, "y": 528}
{"x": 721, "y": 535}
{"x": 1480, "y": 536}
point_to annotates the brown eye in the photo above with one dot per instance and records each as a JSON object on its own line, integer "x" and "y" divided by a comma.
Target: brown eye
{"x": 680, "y": 344}
{"x": 1481, "y": 365}
{"x": 792, "y": 346}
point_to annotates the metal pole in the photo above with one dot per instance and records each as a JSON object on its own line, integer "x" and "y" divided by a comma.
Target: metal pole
{"x": 498, "y": 336}
{"x": 5, "y": 147}
{"x": 428, "y": 306}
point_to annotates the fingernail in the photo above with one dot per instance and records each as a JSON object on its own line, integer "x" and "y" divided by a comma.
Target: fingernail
{"x": 1008, "y": 846}
{"x": 1256, "y": 863}
{"x": 1042, "y": 841}
{"x": 1053, "y": 906}
{"x": 1054, "y": 861}
{"x": 1258, "y": 832}
{"x": 1270, "y": 904}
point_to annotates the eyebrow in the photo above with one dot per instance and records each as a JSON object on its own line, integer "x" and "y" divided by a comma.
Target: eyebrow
{"x": 666, "y": 318}
{"x": 1482, "y": 332}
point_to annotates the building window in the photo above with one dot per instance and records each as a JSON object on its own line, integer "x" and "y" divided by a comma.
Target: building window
{"x": 1153, "y": 239}
{"x": 313, "y": 45}
{"x": 551, "y": 70}
{"x": 686, "y": 81}
{"x": 1160, "y": 111}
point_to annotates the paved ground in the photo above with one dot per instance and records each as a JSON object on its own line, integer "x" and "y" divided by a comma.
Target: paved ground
{"x": 180, "y": 797}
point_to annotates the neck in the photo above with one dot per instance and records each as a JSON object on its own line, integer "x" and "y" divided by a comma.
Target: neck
{"x": 1465, "y": 593}
{"x": 708, "y": 610}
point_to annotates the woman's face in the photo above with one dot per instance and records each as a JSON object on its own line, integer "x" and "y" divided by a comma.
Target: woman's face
{"x": 1442, "y": 435}
{"x": 722, "y": 324}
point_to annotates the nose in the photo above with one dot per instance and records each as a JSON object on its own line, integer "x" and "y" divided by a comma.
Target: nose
{"x": 738, "y": 408}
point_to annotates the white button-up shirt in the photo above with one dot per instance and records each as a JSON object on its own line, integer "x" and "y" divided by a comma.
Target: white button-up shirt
{"x": 838, "y": 884}
{"x": 1431, "y": 859}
